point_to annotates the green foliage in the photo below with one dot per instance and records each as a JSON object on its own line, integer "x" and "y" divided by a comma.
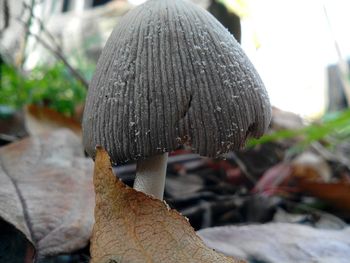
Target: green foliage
{"x": 52, "y": 86}
{"x": 334, "y": 128}
{"x": 10, "y": 95}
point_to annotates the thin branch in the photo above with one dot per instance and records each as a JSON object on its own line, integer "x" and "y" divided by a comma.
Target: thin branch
{"x": 42, "y": 27}
{"x": 58, "y": 55}
{"x": 54, "y": 50}
{"x": 331, "y": 156}
{"x": 27, "y": 28}
{"x": 242, "y": 166}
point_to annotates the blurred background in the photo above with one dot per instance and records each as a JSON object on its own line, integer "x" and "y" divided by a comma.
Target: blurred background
{"x": 297, "y": 46}
{"x": 299, "y": 172}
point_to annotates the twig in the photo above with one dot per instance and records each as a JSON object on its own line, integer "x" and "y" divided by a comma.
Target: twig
{"x": 42, "y": 27}
{"x": 242, "y": 166}
{"x": 27, "y": 28}
{"x": 58, "y": 55}
{"x": 56, "y": 49}
{"x": 325, "y": 153}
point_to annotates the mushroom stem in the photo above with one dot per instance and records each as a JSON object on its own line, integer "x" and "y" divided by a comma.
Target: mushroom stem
{"x": 150, "y": 175}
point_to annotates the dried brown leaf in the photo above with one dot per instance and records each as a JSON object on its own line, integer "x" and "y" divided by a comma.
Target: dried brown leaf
{"x": 46, "y": 191}
{"x": 337, "y": 194}
{"x": 133, "y": 227}
{"x": 42, "y": 119}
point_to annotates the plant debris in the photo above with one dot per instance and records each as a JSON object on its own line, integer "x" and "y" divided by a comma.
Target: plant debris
{"x": 133, "y": 227}
{"x": 46, "y": 193}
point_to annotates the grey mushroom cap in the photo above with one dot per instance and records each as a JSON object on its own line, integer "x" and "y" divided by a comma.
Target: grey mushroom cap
{"x": 171, "y": 74}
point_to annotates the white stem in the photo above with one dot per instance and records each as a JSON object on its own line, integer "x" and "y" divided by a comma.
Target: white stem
{"x": 150, "y": 175}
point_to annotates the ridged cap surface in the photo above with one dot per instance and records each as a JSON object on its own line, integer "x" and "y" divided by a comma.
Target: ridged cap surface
{"x": 170, "y": 74}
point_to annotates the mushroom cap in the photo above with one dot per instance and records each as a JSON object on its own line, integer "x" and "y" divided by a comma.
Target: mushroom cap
{"x": 171, "y": 74}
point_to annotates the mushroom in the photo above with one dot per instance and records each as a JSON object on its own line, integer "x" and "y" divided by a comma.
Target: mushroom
{"x": 171, "y": 74}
